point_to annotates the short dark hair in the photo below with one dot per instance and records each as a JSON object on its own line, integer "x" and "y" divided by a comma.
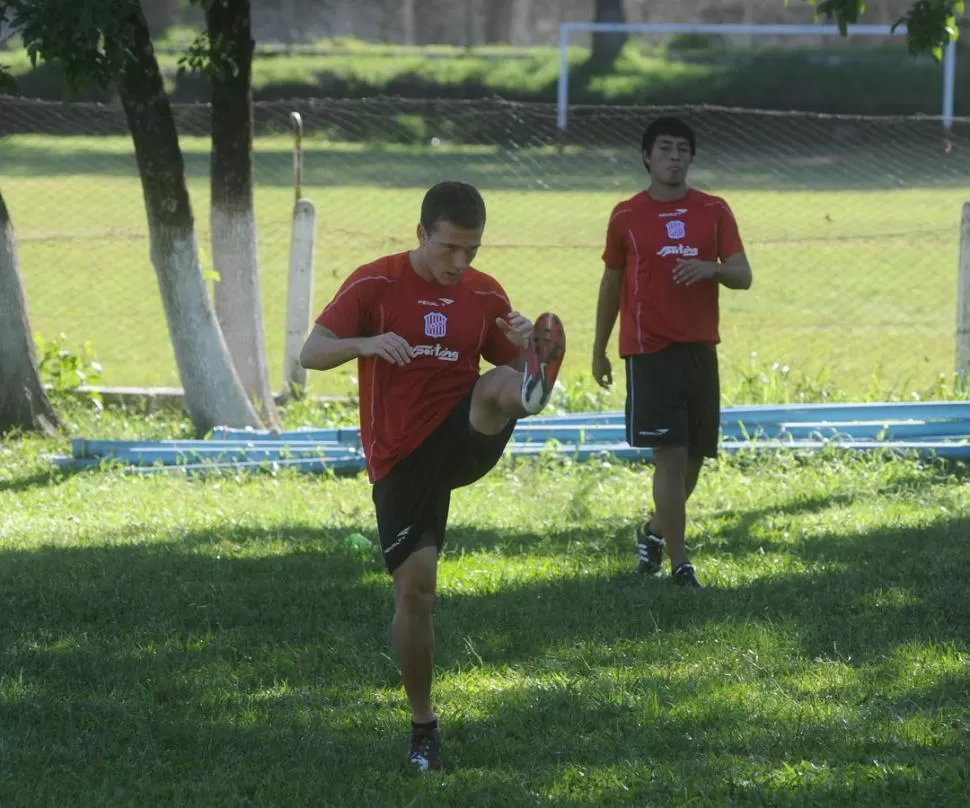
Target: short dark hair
{"x": 457, "y": 203}
{"x": 672, "y": 127}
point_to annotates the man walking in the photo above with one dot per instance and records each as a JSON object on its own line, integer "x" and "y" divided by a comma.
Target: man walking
{"x": 668, "y": 250}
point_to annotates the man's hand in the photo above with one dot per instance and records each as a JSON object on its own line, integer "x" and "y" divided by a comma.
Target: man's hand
{"x": 694, "y": 270}
{"x": 517, "y": 328}
{"x": 389, "y": 347}
{"x": 602, "y": 371}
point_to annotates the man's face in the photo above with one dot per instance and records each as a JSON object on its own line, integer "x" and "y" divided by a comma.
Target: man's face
{"x": 669, "y": 159}
{"x": 449, "y": 250}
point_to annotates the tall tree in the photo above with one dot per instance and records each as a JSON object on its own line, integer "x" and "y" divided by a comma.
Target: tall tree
{"x": 498, "y": 21}
{"x": 23, "y": 401}
{"x": 107, "y": 41}
{"x": 606, "y": 46}
{"x": 233, "y": 222}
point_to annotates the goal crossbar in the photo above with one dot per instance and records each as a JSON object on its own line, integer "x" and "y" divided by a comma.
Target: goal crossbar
{"x": 566, "y": 29}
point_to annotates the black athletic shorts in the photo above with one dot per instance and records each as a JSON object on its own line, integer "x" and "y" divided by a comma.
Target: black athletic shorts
{"x": 673, "y": 398}
{"x": 412, "y": 499}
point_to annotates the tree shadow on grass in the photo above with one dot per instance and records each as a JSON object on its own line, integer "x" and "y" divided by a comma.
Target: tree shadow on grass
{"x": 734, "y": 536}
{"x": 242, "y": 659}
{"x": 39, "y": 479}
{"x": 849, "y": 596}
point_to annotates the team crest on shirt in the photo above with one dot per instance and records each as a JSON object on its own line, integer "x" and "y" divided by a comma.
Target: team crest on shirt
{"x": 676, "y": 229}
{"x": 435, "y": 325}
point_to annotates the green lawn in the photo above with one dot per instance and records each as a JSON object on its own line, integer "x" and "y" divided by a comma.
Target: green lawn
{"x": 173, "y": 642}
{"x": 854, "y": 251}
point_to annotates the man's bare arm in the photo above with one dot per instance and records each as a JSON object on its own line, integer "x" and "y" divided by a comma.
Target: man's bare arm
{"x": 324, "y": 350}
{"x": 607, "y": 308}
{"x": 735, "y": 272}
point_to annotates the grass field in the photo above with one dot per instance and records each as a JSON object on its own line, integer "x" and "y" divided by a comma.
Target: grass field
{"x": 218, "y": 643}
{"x": 854, "y": 250}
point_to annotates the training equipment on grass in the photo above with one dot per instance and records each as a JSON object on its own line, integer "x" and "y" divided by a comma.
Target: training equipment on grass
{"x": 936, "y": 429}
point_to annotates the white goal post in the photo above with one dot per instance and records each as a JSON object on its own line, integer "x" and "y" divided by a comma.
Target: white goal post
{"x": 566, "y": 29}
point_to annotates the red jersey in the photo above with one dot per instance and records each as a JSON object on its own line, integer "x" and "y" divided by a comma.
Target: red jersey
{"x": 449, "y": 329}
{"x": 645, "y": 239}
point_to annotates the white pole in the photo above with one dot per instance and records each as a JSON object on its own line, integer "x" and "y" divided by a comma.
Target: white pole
{"x": 731, "y": 28}
{"x": 562, "y": 101}
{"x": 949, "y": 83}
{"x": 963, "y": 297}
{"x": 297, "y": 121}
{"x": 299, "y": 293}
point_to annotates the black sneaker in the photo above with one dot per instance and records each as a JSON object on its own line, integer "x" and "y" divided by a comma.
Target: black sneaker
{"x": 685, "y": 576}
{"x": 424, "y": 750}
{"x": 651, "y": 547}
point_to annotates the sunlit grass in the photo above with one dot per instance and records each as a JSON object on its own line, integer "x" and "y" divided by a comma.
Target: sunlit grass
{"x": 854, "y": 282}
{"x": 219, "y": 641}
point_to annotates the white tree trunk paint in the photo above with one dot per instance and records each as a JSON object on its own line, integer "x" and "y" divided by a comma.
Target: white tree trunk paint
{"x": 23, "y": 400}
{"x": 213, "y": 394}
{"x": 238, "y": 302}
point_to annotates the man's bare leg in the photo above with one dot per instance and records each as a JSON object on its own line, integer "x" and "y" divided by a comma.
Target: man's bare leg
{"x": 694, "y": 464}
{"x": 504, "y": 393}
{"x": 674, "y": 479}
{"x": 670, "y": 499}
{"x": 412, "y": 629}
{"x": 496, "y": 400}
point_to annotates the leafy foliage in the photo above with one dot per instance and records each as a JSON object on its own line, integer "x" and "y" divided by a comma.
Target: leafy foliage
{"x": 64, "y": 368}
{"x": 90, "y": 40}
{"x": 212, "y": 58}
{"x": 930, "y": 24}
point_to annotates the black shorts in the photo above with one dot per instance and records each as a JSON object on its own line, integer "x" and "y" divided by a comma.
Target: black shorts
{"x": 673, "y": 398}
{"x": 412, "y": 499}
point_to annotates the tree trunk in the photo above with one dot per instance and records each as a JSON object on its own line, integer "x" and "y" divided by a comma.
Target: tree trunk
{"x": 408, "y": 22}
{"x": 23, "y": 400}
{"x": 607, "y": 47}
{"x": 160, "y": 15}
{"x": 233, "y": 223}
{"x": 522, "y": 24}
{"x": 213, "y": 394}
{"x": 498, "y": 22}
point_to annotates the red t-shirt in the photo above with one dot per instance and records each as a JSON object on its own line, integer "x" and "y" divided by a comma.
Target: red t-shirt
{"x": 449, "y": 328}
{"x": 645, "y": 239}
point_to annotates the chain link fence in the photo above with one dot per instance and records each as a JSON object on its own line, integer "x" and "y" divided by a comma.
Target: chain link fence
{"x": 852, "y": 225}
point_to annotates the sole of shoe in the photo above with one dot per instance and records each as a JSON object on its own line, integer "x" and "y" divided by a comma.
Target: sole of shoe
{"x": 547, "y": 347}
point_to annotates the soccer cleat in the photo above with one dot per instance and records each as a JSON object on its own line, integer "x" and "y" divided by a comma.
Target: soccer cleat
{"x": 651, "y": 547}
{"x": 424, "y": 752}
{"x": 685, "y": 576}
{"x": 547, "y": 347}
